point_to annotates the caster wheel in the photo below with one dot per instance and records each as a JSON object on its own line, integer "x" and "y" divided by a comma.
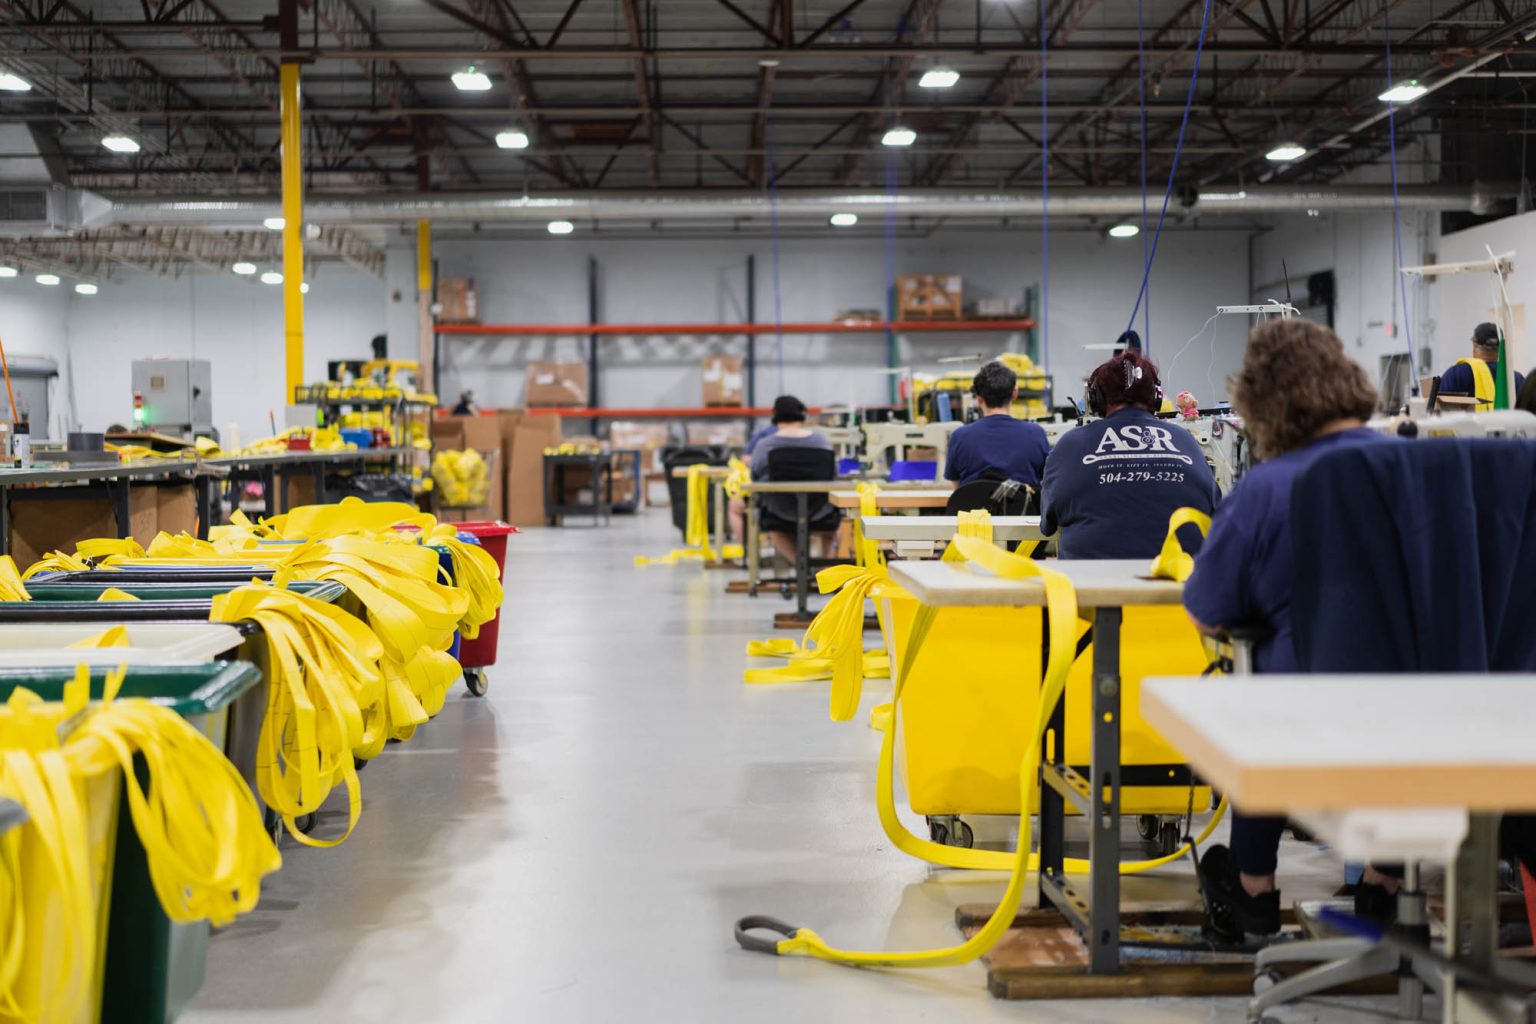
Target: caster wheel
{"x": 1146, "y": 827}
{"x": 1169, "y": 838}
{"x": 305, "y": 823}
{"x": 786, "y": 592}
{"x": 963, "y": 837}
{"x": 752, "y": 590}
{"x": 1266, "y": 980}
{"x": 358, "y": 764}
{"x": 938, "y": 832}
{"x": 475, "y": 682}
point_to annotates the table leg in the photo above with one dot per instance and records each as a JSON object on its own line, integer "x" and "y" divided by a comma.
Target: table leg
{"x": 754, "y": 546}
{"x": 718, "y": 489}
{"x": 802, "y": 553}
{"x": 1053, "y": 808}
{"x": 121, "y": 508}
{"x": 5, "y": 520}
{"x": 207, "y": 490}
{"x": 268, "y": 475}
{"x": 1104, "y": 835}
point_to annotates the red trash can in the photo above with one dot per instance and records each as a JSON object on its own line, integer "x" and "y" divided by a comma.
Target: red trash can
{"x": 492, "y": 534}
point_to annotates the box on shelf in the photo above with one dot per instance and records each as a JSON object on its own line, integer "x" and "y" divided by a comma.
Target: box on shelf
{"x": 723, "y": 381}
{"x": 456, "y": 300}
{"x": 41, "y": 525}
{"x": 530, "y": 435}
{"x": 176, "y": 508}
{"x": 726, "y": 432}
{"x": 558, "y": 384}
{"x": 648, "y": 437}
{"x": 995, "y": 309}
{"x": 928, "y": 297}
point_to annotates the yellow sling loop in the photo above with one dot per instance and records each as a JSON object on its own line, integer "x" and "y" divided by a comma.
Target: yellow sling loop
{"x": 865, "y": 550}
{"x": 11, "y": 586}
{"x": 696, "y": 539}
{"x": 1061, "y": 606}
{"x": 56, "y": 561}
{"x": 1482, "y": 383}
{"x": 1173, "y": 562}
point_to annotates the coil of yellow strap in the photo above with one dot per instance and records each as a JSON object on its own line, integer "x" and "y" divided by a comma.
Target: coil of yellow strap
{"x": 696, "y": 540}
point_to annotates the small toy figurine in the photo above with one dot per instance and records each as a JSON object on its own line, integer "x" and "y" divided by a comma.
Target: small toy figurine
{"x": 1188, "y": 407}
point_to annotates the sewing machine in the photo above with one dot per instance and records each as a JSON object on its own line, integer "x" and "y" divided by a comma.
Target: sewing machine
{"x": 881, "y": 437}
{"x": 1226, "y": 447}
{"x": 1496, "y": 423}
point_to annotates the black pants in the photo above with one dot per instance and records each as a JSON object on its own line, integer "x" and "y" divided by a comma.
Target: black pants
{"x": 1255, "y": 843}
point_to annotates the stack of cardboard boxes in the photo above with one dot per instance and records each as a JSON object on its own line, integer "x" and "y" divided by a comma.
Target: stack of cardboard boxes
{"x": 514, "y": 440}
{"x": 48, "y": 523}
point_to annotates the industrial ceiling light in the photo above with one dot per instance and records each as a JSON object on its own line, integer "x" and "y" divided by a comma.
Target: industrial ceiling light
{"x": 512, "y": 139}
{"x": 274, "y": 223}
{"x": 14, "y": 83}
{"x": 85, "y": 288}
{"x": 898, "y": 136}
{"x": 244, "y": 268}
{"x": 470, "y": 80}
{"x": 561, "y": 227}
{"x": 1286, "y": 151}
{"x": 47, "y": 279}
{"x": 1124, "y": 231}
{"x": 844, "y": 220}
{"x": 120, "y": 144}
{"x": 8, "y": 271}
{"x": 271, "y": 277}
{"x": 938, "y": 78}
{"x": 304, "y": 287}
{"x": 1403, "y": 92}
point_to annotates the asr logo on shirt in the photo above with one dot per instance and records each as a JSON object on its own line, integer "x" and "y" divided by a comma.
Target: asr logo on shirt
{"x": 1138, "y": 443}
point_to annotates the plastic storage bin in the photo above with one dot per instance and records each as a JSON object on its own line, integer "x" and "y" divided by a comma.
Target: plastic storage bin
{"x": 152, "y": 967}
{"x": 49, "y": 644}
{"x": 492, "y": 534}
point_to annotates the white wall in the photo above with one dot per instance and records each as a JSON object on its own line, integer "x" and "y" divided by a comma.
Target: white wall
{"x": 31, "y": 319}
{"x": 1092, "y": 288}
{"x": 235, "y": 322}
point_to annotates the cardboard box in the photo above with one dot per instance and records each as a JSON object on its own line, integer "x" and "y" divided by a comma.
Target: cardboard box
{"x": 525, "y": 469}
{"x": 723, "y": 381}
{"x": 41, "y": 523}
{"x": 929, "y": 297}
{"x": 557, "y": 384}
{"x": 649, "y": 437}
{"x": 456, "y": 300}
{"x": 176, "y": 508}
{"x": 726, "y": 432}
{"x": 483, "y": 433}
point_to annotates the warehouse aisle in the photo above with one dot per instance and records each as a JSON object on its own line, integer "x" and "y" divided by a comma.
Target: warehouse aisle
{"x": 576, "y": 846}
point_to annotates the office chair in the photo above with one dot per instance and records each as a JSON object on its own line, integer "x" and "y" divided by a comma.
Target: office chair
{"x": 1395, "y": 509}
{"x": 781, "y": 511}
{"x": 999, "y": 497}
{"x": 677, "y": 487}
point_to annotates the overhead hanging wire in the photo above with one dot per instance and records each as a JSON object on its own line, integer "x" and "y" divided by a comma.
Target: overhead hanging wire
{"x": 892, "y": 300}
{"x": 1397, "y": 207}
{"x": 1178, "y": 149}
{"x": 1146, "y": 239}
{"x": 773, "y": 232}
{"x": 1045, "y": 193}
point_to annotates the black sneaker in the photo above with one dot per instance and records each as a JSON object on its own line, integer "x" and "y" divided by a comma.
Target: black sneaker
{"x": 1374, "y": 903}
{"x": 1232, "y": 914}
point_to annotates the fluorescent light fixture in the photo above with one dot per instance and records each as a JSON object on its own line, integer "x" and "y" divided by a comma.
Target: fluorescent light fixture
{"x": 244, "y": 268}
{"x": 561, "y": 227}
{"x": 303, "y": 287}
{"x": 85, "y": 288}
{"x": 1403, "y": 92}
{"x": 14, "y": 83}
{"x": 898, "y": 136}
{"x": 311, "y": 232}
{"x": 274, "y": 223}
{"x": 8, "y": 271}
{"x": 1124, "y": 231}
{"x": 938, "y": 78}
{"x": 271, "y": 277}
{"x": 120, "y": 144}
{"x": 512, "y": 139}
{"x": 470, "y": 80}
{"x": 1286, "y": 151}
{"x": 844, "y": 220}
{"x": 47, "y": 279}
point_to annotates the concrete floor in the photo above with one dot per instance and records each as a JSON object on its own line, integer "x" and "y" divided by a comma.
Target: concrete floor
{"x": 576, "y": 845}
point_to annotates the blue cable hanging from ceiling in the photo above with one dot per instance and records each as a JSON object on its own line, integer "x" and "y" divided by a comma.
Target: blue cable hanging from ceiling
{"x": 1178, "y": 149}
{"x": 1397, "y": 208}
{"x": 892, "y": 174}
{"x": 773, "y": 232}
{"x": 1045, "y": 193}
{"x": 1146, "y": 239}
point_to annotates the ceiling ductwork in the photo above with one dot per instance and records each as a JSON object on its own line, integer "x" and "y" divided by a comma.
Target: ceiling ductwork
{"x": 726, "y": 207}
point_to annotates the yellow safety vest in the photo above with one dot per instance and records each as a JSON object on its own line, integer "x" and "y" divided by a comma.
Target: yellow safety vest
{"x": 1482, "y": 383}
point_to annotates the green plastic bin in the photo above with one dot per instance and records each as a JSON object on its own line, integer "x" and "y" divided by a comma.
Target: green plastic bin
{"x": 153, "y": 967}
{"x": 174, "y": 591}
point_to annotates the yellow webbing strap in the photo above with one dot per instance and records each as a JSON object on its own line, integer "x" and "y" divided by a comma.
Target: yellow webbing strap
{"x": 867, "y": 551}
{"x": 11, "y": 586}
{"x": 112, "y": 636}
{"x": 56, "y": 561}
{"x": 114, "y": 594}
{"x": 1482, "y": 383}
{"x": 1173, "y": 562}
{"x": 695, "y": 527}
{"x": 474, "y": 572}
{"x": 739, "y": 476}
{"x": 98, "y": 548}
{"x": 1061, "y": 604}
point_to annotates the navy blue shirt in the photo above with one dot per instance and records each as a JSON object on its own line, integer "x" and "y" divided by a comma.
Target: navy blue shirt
{"x": 1111, "y": 485}
{"x": 1458, "y": 380}
{"x": 1246, "y": 569}
{"x": 1016, "y": 449}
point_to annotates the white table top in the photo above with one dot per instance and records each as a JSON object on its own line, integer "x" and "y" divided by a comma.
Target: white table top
{"x": 915, "y": 497}
{"x": 944, "y": 527}
{"x": 833, "y": 487}
{"x": 1108, "y": 583}
{"x": 1278, "y": 744}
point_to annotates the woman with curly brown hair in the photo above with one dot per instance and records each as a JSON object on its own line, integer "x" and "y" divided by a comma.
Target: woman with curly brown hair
{"x": 1300, "y": 396}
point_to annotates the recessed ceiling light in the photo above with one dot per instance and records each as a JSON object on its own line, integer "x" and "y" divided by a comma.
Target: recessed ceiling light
{"x": 274, "y": 223}
{"x": 561, "y": 227}
{"x": 470, "y": 80}
{"x": 898, "y": 136}
{"x": 14, "y": 83}
{"x": 304, "y": 287}
{"x": 768, "y": 62}
{"x": 311, "y": 231}
{"x": 120, "y": 144}
{"x": 271, "y": 277}
{"x": 844, "y": 220}
{"x": 512, "y": 139}
{"x": 47, "y": 279}
{"x": 1124, "y": 231}
{"x": 1286, "y": 151}
{"x": 8, "y": 271}
{"x": 244, "y": 268}
{"x": 85, "y": 288}
{"x": 1405, "y": 92}
{"x": 938, "y": 78}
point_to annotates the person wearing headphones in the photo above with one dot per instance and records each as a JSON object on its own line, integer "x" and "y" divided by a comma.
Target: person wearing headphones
{"x": 1474, "y": 376}
{"x": 997, "y": 446}
{"x": 1111, "y": 484}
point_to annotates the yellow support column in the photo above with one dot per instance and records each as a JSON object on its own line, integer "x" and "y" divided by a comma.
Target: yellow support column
{"x": 293, "y": 230}
{"x": 424, "y": 335}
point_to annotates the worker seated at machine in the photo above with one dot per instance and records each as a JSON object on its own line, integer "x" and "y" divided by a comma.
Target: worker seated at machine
{"x": 736, "y": 508}
{"x": 996, "y": 446}
{"x": 1111, "y": 484}
{"x": 1300, "y": 397}
{"x": 789, "y": 418}
{"x": 1473, "y": 376}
